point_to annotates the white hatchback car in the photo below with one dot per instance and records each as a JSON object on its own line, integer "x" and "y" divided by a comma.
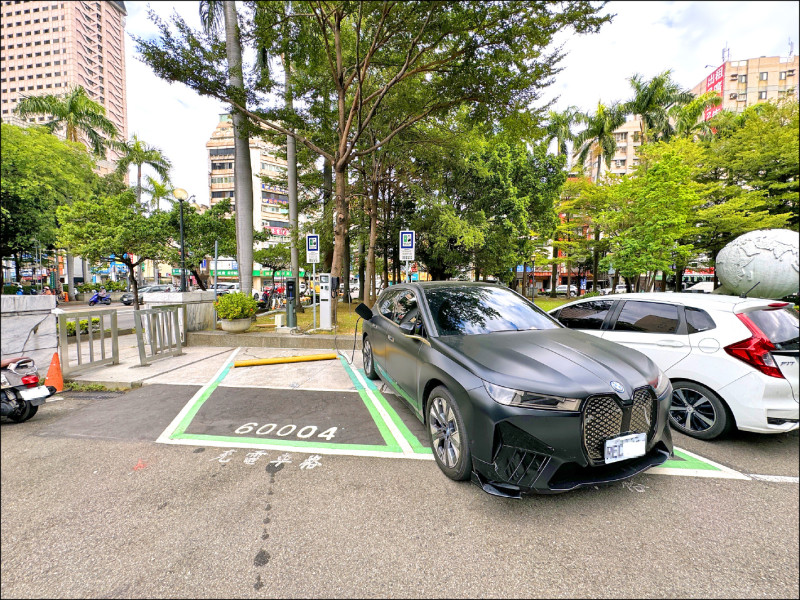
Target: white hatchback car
{"x": 733, "y": 362}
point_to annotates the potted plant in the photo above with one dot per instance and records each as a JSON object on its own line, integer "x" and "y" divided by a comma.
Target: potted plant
{"x": 235, "y": 311}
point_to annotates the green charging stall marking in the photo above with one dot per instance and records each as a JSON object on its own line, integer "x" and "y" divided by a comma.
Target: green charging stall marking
{"x": 391, "y": 444}
{"x": 684, "y": 461}
{"x": 412, "y": 440}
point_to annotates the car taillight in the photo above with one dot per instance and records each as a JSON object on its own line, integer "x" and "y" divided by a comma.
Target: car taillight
{"x": 755, "y": 350}
{"x": 31, "y": 380}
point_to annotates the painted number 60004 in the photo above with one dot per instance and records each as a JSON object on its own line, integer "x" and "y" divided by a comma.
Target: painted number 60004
{"x": 287, "y": 430}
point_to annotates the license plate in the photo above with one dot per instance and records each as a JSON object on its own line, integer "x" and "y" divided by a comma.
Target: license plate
{"x": 626, "y": 446}
{"x": 34, "y": 393}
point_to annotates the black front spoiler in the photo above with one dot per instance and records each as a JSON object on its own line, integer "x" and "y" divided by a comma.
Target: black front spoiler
{"x": 580, "y": 477}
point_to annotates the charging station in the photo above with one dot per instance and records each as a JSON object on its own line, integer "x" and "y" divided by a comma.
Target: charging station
{"x": 291, "y": 318}
{"x": 325, "y": 298}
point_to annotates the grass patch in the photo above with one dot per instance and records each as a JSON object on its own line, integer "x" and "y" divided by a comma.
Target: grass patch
{"x": 546, "y": 303}
{"x": 75, "y": 386}
{"x": 346, "y": 317}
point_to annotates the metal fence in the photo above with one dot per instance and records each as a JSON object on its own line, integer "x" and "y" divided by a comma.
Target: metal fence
{"x": 159, "y": 332}
{"x": 90, "y": 349}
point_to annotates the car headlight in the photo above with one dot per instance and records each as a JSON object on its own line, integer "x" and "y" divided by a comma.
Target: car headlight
{"x": 509, "y": 397}
{"x": 660, "y": 383}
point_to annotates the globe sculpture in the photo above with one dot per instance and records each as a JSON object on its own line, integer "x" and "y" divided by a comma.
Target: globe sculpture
{"x": 767, "y": 257}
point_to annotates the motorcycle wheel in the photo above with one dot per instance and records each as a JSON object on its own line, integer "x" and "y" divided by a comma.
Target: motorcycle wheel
{"x": 24, "y": 409}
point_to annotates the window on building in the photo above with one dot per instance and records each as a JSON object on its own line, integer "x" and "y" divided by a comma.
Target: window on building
{"x": 762, "y": 95}
{"x": 782, "y": 75}
{"x": 763, "y": 76}
{"x": 742, "y": 78}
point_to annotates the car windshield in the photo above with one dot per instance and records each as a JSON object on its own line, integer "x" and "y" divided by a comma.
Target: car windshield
{"x": 471, "y": 310}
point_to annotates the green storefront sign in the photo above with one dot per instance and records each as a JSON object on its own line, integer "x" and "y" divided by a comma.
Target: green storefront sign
{"x": 256, "y": 273}
{"x": 235, "y": 273}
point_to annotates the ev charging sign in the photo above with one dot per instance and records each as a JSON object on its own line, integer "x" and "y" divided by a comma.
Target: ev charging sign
{"x": 312, "y": 248}
{"x": 407, "y": 239}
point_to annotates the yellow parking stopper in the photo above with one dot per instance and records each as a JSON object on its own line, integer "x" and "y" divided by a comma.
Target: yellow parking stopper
{"x": 284, "y": 359}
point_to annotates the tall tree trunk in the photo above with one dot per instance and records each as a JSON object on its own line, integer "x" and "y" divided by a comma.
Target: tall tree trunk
{"x": 362, "y": 264}
{"x": 369, "y": 281}
{"x": 291, "y": 159}
{"x": 327, "y": 213}
{"x": 346, "y": 269}
{"x": 85, "y": 270}
{"x": 595, "y": 258}
{"x": 243, "y": 173}
{"x": 341, "y": 224}
{"x": 70, "y": 276}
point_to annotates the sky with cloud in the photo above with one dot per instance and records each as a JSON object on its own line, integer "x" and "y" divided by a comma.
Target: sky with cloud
{"x": 644, "y": 37}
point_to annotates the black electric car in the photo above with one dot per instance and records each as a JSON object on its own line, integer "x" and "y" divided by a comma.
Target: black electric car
{"x": 510, "y": 397}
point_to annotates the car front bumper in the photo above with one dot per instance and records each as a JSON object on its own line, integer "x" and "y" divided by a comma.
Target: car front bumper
{"x": 521, "y": 451}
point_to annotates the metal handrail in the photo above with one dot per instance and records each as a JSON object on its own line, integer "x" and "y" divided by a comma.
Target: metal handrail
{"x": 160, "y": 329}
{"x": 67, "y": 366}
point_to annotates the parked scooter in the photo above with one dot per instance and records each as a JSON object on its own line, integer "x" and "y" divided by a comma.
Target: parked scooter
{"x": 20, "y": 392}
{"x": 100, "y": 297}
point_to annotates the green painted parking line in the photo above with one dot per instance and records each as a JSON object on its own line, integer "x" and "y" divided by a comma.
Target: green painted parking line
{"x": 684, "y": 461}
{"x": 398, "y": 424}
{"x": 410, "y": 437}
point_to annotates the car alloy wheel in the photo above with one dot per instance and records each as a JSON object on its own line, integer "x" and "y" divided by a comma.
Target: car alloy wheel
{"x": 448, "y": 435}
{"x": 369, "y": 362}
{"x": 697, "y": 411}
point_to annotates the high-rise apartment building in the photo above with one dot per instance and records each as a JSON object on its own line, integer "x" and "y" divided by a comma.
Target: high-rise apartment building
{"x": 48, "y": 47}
{"x": 270, "y": 200}
{"x": 741, "y": 83}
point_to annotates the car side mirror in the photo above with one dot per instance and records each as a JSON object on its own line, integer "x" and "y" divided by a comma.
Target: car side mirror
{"x": 364, "y": 311}
{"x": 407, "y": 328}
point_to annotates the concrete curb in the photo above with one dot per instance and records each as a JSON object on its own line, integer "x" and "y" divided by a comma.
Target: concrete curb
{"x": 271, "y": 340}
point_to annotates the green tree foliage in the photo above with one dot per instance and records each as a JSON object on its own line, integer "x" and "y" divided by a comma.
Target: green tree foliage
{"x": 113, "y": 223}
{"x": 275, "y": 257}
{"x": 758, "y": 154}
{"x": 76, "y": 113}
{"x": 350, "y": 59}
{"x": 201, "y": 230}
{"x": 39, "y": 173}
{"x": 652, "y": 212}
{"x": 599, "y": 133}
{"x": 652, "y": 101}
{"x": 139, "y": 153}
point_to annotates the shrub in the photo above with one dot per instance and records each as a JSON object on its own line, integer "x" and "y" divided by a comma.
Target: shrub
{"x": 235, "y": 306}
{"x": 84, "y": 324}
{"x": 590, "y": 294}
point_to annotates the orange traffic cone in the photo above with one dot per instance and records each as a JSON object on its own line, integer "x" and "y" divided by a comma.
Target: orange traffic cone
{"x": 54, "y": 376}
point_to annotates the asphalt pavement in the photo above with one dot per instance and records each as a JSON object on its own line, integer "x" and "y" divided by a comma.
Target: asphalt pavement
{"x": 305, "y": 480}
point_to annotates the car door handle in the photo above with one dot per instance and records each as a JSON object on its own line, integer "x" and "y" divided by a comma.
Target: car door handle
{"x": 390, "y": 338}
{"x": 670, "y": 343}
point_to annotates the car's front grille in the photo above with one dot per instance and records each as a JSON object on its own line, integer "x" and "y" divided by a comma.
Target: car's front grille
{"x": 602, "y": 419}
{"x": 643, "y": 413}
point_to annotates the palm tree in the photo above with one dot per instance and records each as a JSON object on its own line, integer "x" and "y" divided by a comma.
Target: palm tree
{"x": 158, "y": 191}
{"x": 652, "y": 100}
{"x": 75, "y": 112}
{"x": 599, "y": 133}
{"x": 136, "y": 152}
{"x": 559, "y": 127}
{"x": 687, "y": 117}
{"x": 78, "y": 115}
{"x": 212, "y": 14}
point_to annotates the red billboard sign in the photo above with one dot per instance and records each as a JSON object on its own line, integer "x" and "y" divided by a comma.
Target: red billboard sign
{"x": 715, "y": 82}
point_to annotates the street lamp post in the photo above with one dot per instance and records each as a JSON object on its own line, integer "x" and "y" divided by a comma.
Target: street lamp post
{"x": 181, "y": 196}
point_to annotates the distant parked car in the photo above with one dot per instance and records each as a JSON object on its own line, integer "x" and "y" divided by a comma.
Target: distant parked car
{"x": 620, "y": 288}
{"x": 561, "y": 290}
{"x": 733, "y": 362}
